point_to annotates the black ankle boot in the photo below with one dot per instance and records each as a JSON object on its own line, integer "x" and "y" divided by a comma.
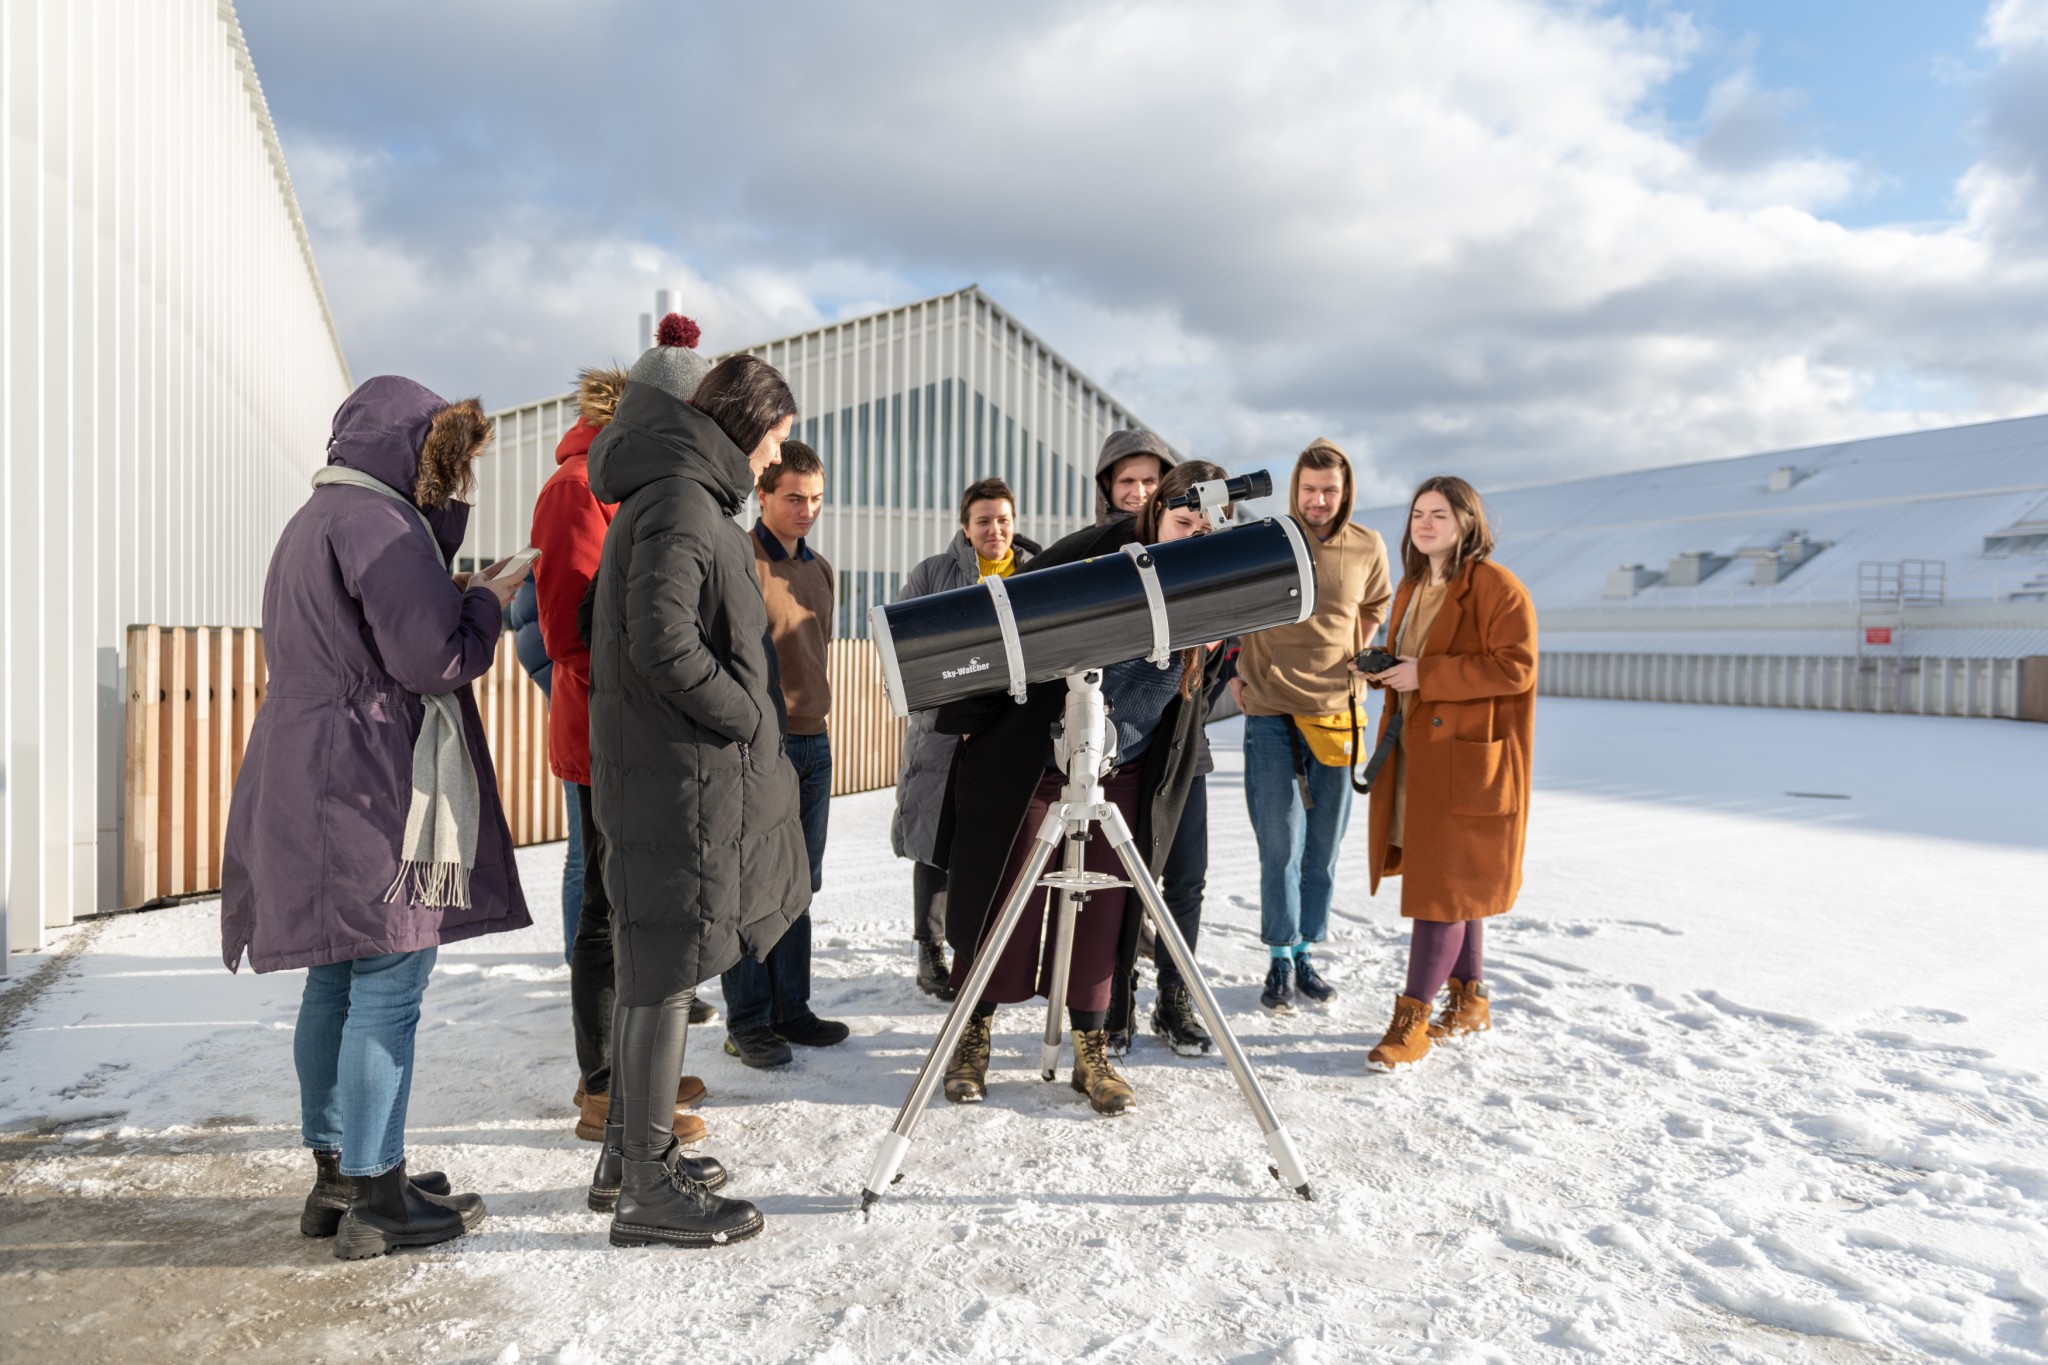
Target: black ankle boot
{"x": 1173, "y": 1019}
{"x": 611, "y": 1162}
{"x": 933, "y": 976}
{"x": 661, "y": 1203}
{"x": 388, "y": 1211}
{"x": 329, "y": 1199}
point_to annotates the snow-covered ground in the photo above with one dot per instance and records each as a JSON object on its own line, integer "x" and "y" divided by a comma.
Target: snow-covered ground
{"x": 1764, "y": 1086}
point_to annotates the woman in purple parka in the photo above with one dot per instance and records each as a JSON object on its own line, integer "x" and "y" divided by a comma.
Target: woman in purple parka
{"x": 365, "y": 829}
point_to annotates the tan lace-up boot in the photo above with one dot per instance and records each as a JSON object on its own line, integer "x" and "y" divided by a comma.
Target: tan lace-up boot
{"x": 591, "y": 1111}
{"x": 1107, "y": 1092}
{"x": 1407, "y": 1038}
{"x": 967, "y": 1073}
{"x": 1467, "y": 1011}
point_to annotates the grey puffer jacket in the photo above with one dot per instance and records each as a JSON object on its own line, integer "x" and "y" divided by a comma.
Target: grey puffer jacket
{"x": 928, "y": 755}
{"x": 704, "y": 853}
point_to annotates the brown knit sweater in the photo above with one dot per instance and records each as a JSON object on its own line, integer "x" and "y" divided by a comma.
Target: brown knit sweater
{"x": 798, "y": 589}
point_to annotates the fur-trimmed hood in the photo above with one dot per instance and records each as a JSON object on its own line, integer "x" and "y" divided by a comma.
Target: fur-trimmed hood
{"x": 597, "y": 394}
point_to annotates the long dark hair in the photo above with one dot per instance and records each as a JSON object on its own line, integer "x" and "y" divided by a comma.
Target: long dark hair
{"x": 747, "y": 397}
{"x": 1475, "y": 537}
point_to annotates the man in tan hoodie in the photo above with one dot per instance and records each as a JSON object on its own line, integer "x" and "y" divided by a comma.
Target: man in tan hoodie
{"x": 1287, "y": 679}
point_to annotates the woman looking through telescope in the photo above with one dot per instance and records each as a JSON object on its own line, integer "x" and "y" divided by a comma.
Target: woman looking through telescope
{"x": 1007, "y": 777}
{"x": 1452, "y": 820}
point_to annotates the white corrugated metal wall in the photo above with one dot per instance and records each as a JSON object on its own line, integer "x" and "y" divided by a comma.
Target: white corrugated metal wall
{"x": 170, "y": 374}
{"x": 906, "y": 408}
{"x": 1988, "y": 688}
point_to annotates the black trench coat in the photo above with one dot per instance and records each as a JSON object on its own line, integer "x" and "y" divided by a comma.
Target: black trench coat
{"x": 704, "y": 856}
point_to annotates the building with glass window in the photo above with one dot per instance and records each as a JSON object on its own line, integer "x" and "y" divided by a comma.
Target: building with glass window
{"x": 906, "y": 408}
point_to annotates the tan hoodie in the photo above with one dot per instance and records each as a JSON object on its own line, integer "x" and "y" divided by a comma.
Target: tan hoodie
{"x": 1298, "y": 670}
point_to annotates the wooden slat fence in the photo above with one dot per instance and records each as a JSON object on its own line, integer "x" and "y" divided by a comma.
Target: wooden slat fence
{"x": 193, "y": 693}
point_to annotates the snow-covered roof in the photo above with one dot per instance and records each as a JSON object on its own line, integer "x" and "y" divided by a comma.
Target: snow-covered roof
{"x": 1973, "y": 500}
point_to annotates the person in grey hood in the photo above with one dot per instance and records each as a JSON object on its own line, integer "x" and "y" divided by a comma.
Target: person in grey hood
{"x": 987, "y": 543}
{"x": 703, "y": 850}
{"x": 1131, "y": 465}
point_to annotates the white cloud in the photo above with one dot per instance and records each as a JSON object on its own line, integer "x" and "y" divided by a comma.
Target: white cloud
{"x": 1453, "y": 235}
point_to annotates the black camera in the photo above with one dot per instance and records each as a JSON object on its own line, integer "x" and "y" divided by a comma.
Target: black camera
{"x": 1373, "y": 659}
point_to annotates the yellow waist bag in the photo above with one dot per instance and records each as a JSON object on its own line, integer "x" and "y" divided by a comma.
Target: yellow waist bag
{"x": 1329, "y": 737}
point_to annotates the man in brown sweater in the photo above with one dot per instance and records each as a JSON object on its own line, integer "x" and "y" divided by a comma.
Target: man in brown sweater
{"x": 768, "y": 1004}
{"x": 1287, "y": 679}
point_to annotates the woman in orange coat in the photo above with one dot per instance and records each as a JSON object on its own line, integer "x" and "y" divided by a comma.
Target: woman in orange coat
{"x": 1451, "y": 821}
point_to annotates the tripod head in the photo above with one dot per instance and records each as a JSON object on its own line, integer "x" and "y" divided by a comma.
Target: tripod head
{"x": 1085, "y": 743}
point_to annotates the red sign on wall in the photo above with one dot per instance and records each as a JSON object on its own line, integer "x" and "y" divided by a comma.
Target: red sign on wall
{"x": 1877, "y": 635}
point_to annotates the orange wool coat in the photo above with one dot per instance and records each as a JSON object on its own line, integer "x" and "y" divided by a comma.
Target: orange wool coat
{"x": 1465, "y": 752}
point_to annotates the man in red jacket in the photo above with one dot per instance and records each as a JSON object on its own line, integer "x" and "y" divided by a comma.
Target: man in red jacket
{"x": 568, "y": 529}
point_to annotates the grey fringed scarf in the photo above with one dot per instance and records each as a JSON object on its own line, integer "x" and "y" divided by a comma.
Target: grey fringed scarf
{"x": 440, "y": 828}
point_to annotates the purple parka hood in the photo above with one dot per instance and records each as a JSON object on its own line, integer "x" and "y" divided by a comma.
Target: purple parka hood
{"x": 379, "y": 430}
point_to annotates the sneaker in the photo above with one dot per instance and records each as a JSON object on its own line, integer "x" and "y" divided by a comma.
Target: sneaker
{"x": 1173, "y": 1019}
{"x": 1278, "y": 997}
{"x": 1310, "y": 982}
{"x": 758, "y": 1047}
{"x": 811, "y": 1031}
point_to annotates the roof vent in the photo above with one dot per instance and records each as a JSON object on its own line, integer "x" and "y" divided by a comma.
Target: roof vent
{"x": 1630, "y": 579}
{"x": 1786, "y": 476}
{"x": 1776, "y": 563}
{"x": 1693, "y": 568}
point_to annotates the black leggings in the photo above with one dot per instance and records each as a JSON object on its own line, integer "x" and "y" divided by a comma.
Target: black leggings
{"x": 647, "y": 1042}
{"x": 927, "y": 903}
{"x": 1081, "y": 1021}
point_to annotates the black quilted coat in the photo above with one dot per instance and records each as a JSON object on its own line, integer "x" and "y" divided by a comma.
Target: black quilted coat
{"x": 704, "y": 854}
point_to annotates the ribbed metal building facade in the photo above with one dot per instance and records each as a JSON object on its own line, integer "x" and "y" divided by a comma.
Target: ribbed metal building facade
{"x": 906, "y": 407}
{"x": 170, "y": 373}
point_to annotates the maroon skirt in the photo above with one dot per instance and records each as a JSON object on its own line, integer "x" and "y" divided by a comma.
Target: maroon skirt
{"x": 1025, "y": 968}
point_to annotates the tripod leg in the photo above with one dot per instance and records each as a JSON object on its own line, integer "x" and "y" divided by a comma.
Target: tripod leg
{"x": 1062, "y": 960}
{"x": 889, "y": 1156}
{"x": 1286, "y": 1161}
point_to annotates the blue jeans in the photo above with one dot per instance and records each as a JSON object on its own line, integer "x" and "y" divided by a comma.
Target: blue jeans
{"x": 353, "y": 1050}
{"x": 1297, "y": 848}
{"x": 572, "y": 870}
{"x": 778, "y": 991}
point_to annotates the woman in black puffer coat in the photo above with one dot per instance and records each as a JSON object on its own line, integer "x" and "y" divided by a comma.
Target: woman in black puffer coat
{"x": 704, "y": 852}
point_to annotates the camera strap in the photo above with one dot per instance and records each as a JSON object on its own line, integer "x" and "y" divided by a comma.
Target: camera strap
{"x": 1379, "y": 755}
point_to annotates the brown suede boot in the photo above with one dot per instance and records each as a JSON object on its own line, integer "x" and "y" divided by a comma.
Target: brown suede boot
{"x": 1407, "y": 1038}
{"x": 1107, "y": 1092}
{"x": 1466, "y": 1012}
{"x": 591, "y": 1111}
{"x": 967, "y": 1073}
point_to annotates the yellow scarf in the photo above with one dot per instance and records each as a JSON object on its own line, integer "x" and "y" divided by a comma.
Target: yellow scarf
{"x": 1001, "y": 568}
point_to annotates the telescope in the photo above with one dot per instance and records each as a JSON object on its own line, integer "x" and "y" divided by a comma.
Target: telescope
{"x": 1213, "y": 495}
{"x": 1148, "y": 601}
{"x": 1069, "y": 622}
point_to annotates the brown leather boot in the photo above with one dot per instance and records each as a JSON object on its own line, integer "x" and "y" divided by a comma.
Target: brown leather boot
{"x": 967, "y": 1073}
{"x": 1467, "y": 1011}
{"x": 1107, "y": 1092}
{"x": 591, "y": 1111}
{"x": 1407, "y": 1038}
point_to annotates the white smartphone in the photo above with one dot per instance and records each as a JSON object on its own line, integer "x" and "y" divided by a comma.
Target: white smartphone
{"x": 514, "y": 568}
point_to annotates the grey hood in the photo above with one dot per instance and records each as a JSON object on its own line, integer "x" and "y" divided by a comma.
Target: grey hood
{"x": 1132, "y": 441}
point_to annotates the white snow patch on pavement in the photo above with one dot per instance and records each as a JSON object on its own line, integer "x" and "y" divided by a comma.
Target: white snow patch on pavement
{"x": 1763, "y": 1084}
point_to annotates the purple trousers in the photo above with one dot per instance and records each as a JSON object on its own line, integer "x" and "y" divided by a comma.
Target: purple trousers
{"x": 1438, "y": 952}
{"x": 1025, "y": 967}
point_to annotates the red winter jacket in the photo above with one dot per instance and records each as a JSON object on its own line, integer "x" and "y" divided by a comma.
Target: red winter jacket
{"x": 568, "y": 529}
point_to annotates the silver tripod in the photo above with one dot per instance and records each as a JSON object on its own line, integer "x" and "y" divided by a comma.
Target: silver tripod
{"x": 1086, "y": 745}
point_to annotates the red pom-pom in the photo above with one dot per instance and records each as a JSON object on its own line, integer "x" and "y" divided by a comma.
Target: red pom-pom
{"x": 677, "y": 330}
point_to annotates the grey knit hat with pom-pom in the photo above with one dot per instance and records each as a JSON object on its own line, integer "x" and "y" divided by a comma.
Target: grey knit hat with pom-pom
{"x": 672, "y": 363}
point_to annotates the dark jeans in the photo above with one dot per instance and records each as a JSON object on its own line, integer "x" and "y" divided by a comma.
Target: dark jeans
{"x": 778, "y": 991}
{"x": 572, "y": 870}
{"x": 1185, "y": 876}
{"x": 927, "y": 903}
{"x": 590, "y": 962}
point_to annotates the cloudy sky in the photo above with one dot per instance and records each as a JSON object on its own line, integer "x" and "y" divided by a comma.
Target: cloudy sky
{"x": 1515, "y": 240}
